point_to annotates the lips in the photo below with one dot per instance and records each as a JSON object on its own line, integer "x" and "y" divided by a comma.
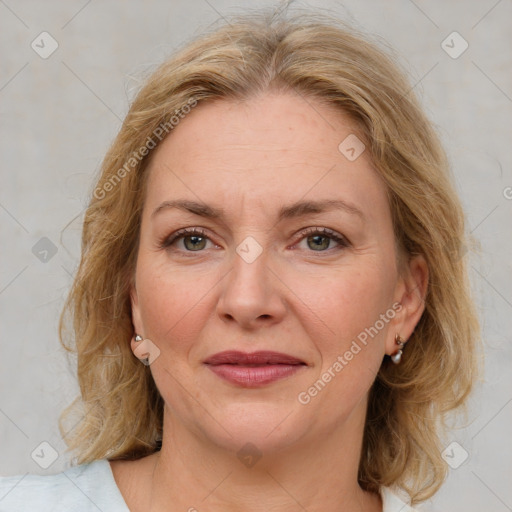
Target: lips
{"x": 252, "y": 359}
{"x": 254, "y": 369}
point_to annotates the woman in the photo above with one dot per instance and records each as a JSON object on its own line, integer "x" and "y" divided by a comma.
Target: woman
{"x": 271, "y": 310}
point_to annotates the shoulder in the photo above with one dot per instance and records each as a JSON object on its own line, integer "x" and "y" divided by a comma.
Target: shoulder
{"x": 391, "y": 502}
{"x": 83, "y": 488}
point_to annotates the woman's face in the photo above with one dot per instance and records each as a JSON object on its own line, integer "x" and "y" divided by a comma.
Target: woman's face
{"x": 267, "y": 279}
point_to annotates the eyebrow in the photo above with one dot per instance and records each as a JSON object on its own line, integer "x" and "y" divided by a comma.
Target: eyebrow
{"x": 297, "y": 209}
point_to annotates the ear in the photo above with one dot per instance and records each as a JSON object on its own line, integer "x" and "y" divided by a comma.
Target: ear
{"x": 136, "y": 314}
{"x": 410, "y": 292}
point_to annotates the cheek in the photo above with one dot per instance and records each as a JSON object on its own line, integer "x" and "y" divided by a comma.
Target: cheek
{"x": 343, "y": 315}
{"x": 341, "y": 322}
{"x": 173, "y": 304}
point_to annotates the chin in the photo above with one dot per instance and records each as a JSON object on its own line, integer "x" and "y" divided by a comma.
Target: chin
{"x": 269, "y": 427}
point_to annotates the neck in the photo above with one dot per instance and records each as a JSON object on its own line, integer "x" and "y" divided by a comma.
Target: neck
{"x": 316, "y": 474}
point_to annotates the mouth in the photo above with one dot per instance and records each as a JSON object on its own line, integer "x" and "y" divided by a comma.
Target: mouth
{"x": 254, "y": 369}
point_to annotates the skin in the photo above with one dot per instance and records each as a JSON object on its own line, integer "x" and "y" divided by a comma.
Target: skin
{"x": 250, "y": 159}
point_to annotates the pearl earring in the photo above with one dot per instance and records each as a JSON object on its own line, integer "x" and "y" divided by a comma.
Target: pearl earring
{"x": 397, "y": 356}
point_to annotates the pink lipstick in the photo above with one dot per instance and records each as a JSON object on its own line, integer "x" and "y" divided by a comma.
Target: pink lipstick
{"x": 254, "y": 369}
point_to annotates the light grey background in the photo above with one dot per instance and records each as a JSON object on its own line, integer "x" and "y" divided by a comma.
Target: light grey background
{"x": 59, "y": 115}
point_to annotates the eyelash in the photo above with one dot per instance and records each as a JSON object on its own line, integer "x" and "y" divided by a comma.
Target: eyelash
{"x": 183, "y": 233}
{"x": 342, "y": 242}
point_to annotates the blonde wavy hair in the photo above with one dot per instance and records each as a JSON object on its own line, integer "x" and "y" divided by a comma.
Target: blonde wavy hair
{"x": 120, "y": 409}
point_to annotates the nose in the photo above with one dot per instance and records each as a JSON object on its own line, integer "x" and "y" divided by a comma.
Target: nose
{"x": 251, "y": 294}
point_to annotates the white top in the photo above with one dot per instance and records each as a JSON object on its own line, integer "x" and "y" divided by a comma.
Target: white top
{"x": 92, "y": 488}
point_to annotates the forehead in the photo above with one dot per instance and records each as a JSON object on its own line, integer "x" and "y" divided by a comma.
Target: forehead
{"x": 270, "y": 148}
